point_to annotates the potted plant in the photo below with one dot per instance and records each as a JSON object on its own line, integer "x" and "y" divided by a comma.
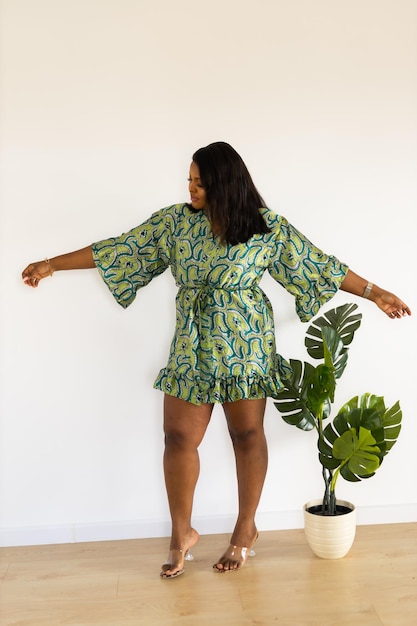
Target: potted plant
{"x": 352, "y": 445}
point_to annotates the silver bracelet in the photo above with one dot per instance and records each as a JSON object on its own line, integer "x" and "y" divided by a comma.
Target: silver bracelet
{"x": 368, "y": 290}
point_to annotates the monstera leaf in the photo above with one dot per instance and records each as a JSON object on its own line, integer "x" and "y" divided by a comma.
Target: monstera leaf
{"x": 370, "y": 412}
{"x": 291, "y": 401}
{"x": 309, "y": 391}
{"x": 357, "y": 453}
{"x": 343, "y": 323}
{"x": 361, "y": 434}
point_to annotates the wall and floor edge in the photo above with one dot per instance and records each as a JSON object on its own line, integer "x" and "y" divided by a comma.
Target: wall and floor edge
{"x": 115, "y": 531}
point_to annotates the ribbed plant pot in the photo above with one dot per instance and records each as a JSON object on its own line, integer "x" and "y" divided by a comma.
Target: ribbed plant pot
{"x": 330, "y": 536}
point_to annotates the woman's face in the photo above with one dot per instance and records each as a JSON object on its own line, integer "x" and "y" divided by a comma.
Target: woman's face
{"x": 197, "y": 191}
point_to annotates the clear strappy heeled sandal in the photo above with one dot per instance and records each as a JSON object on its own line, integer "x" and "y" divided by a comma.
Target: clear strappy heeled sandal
{"x": 175, "y": 560}
{"x": 235, "y": 555}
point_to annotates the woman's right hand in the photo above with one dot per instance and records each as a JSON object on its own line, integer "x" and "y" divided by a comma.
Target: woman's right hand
{"x": 77, "y": 260}
{"x": 35, "y": 272}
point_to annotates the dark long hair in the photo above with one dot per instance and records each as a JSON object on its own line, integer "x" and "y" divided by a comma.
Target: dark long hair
{"x": 233, "y": 202}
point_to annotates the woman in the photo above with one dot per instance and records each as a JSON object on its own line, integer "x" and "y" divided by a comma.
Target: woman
{"x": 223, "y": 351}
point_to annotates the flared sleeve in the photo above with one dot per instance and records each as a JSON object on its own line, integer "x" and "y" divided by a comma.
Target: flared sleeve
{"x": 131, "y": 261}
{"x": 306, "y": 272}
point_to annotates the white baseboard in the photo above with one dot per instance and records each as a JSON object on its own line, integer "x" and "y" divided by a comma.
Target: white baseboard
{"x": 141, "y": 529}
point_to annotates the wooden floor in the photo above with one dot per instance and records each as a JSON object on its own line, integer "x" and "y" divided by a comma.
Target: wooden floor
{"x": 117, "y": 583}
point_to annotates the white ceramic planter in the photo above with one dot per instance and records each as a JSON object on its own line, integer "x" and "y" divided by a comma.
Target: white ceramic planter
{"x": 330, "y": 537}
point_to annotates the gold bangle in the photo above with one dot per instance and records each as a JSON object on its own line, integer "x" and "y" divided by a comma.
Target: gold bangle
{"x": 49, "y": 263}
{"x": 368, "y": 290}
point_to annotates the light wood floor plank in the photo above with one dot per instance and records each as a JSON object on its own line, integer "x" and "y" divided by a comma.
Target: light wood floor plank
{"x": 117, "y": 583}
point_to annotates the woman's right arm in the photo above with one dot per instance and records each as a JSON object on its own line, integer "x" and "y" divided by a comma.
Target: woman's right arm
{"x": 78, "y": 260}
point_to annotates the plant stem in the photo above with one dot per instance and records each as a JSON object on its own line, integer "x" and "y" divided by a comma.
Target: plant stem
{"x": 335, "y": 477}
{"x": 329, "y": 499}
{"x": 328, "y": 506}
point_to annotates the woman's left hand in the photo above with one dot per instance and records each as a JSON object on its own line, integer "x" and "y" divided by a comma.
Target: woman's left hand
{"x": 390, "y": 304}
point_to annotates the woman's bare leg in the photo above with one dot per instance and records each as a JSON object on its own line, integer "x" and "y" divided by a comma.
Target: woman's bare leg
{"x": 245, "y": 423}
{"x": 184, "y": 427}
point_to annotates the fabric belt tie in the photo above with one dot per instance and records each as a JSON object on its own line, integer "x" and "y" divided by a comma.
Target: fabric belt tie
{"x": 201, "y": 293}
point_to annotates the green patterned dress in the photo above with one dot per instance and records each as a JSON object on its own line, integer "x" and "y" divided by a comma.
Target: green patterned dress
{"x": 223, "y": 347}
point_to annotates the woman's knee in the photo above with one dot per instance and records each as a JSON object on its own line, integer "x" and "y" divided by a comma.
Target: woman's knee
{"x": 245, "y": 420}
{"x": 184, "y": 424}
{"x": 177, "y": 439}
{"x": 246, "y": 436}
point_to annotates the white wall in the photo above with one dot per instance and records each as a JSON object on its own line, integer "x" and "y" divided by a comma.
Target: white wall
{"x": 103, "y": 104}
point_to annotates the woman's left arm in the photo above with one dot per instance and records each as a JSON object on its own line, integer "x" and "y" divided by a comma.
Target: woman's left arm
{"x": 386, "y": 301}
